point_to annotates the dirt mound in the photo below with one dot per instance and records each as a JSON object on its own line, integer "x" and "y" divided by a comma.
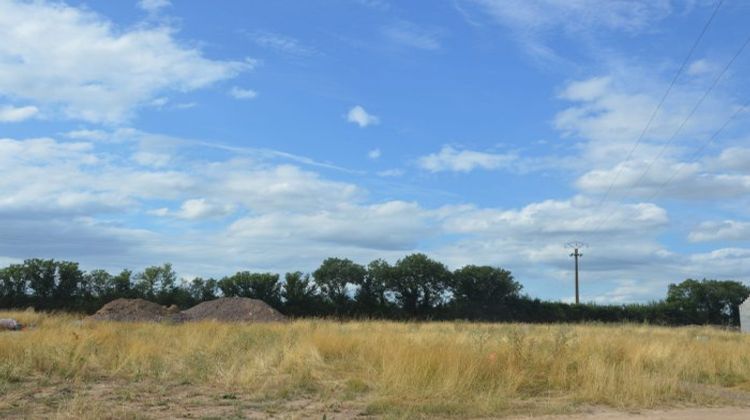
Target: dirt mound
{"x": 235, "y": 309}
{"x": 135, "y": 310}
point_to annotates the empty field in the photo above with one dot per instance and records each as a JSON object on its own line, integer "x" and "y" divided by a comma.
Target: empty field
{"x": 65, "y": 367}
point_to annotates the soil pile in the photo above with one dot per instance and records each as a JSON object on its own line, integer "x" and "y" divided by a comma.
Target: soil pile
{"x": 234, "y": 309}
{"x": 135, "y": 310}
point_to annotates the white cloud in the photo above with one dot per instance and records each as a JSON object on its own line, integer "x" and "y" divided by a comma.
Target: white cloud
{"x": 700, "y": 67}
{"x": 83, "y": 200}
{"x": 608, "y": 117}
{"x": 17, "y": 114}
{"x": 156, "y": 160}
{"x": 196, "y": 208}
{"x": 240, "y": 93}
{"x": 200, "y": 208}
{"x": 359, "y": 116}
{"x": 80, "y": 65}
{"x": 554, "y": 217}
{"x": 412, "y": 36}
{"x": 576, "y": 16}
{"x": 381, "y": 5}
{"x": 665, "y": 178}
{"x": 733, "y": 158}
{"x": 532, "y": 22}
{"x": 390, "y": 225}
{"x": 85, "y": 134}
{"x": 720, "y": 230}
{"x": 153, "y": 6}
{"x": 282, "y": 43}
{"x": 450, "y": 159}
{"x": 374, "y": 154}
{"x": 391, "y": 172}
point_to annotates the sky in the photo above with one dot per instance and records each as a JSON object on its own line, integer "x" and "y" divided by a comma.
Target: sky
{"x": 266, "y": 136}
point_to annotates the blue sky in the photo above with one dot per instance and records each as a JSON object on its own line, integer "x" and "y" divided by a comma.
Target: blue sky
{"x": 269, "y": 135}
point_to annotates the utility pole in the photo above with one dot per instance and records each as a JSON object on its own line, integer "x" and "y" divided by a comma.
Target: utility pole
{"x": 576, "y": 254}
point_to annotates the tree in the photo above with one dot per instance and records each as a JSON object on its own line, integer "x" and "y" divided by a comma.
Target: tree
{"x": 299, "y": 294}
{"x": 708, "y": 301}
{"x": 332, "y": 277}
{"x": 99, "y": 283}
{"x": 69, "y": 282}
{"x": 263, "y": 286}
{"x": 13, "y": 286}
{"x": 157, "y": 282}
{"x": 419, "y": 284}
{"x": 371, "y": 295}
{"x": 483, "y": 291}
{"x": 203, "y": 290}
{"x": 122, "y": 284}
{"x": 40, "y": 276}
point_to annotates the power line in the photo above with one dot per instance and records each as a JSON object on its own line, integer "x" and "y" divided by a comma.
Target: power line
{"x": 692, "y": 112}
{"x": 663, "y": 99}
{"x": 682, "y": 125}
{"x": 694, "y": 157}
{"x": 699, "y": 151}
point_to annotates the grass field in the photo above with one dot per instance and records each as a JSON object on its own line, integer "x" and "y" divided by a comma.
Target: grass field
{"x": 62, "y": 367}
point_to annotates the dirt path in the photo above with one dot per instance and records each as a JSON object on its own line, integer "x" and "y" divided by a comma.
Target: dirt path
{"x": 726, "y": 413}
{"x": 156, "y": 400}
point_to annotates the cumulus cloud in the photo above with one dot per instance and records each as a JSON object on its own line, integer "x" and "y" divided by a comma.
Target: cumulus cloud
{"x": 82, "y": 66}
{"x": 450, "y": 159}
{"x": 577, "y": 216}
{"x": 9, "y": 114}
{"x": 196, "y": 208}
{"x": 240, "y": 93}
{"x": 720, "y": 231}
{"x": 359, "y": 116}
{"x": 374, "y": 154}
{"x": 268, "y": 216}
{"x": 392, "y": 225}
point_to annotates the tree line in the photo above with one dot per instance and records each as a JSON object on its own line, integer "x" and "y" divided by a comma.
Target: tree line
{"x": 415, "y": 287}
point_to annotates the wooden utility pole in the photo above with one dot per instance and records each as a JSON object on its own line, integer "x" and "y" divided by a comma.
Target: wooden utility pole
{"x": 576, "y": 254}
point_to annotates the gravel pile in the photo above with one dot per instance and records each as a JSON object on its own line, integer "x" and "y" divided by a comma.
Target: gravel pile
{"x": 135, "y": 310}
{"x": 235, "y": 309}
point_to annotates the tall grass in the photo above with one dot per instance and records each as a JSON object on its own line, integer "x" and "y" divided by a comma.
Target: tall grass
{"x": 403, "y": 368}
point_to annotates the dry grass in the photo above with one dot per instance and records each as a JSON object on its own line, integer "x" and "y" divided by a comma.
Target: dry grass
{"x": 386, "y": 368}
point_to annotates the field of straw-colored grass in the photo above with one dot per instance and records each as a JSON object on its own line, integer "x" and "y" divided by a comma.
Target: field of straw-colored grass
{"x": 378, "y": 368}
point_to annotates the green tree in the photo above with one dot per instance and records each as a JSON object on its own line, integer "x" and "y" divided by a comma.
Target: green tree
{"x": 263, "y": 286}
{"x": 40, "y": 275}
{"x": 122, "y": 284}
{"x": 708, "y": 301}
{"x": 99, "y": 283}
{"x": 13, "y": 286}
{"x": 157, "y": 282}
{"x": 420, "y": 284}
{"x": 371, "y": 295}
{"x": 203, "y": 290}
{"x": 332, "y": 278}
{"x": 483, "y": 292}
{"x": 69, "y": 282}
{"x": 299, "y": 294}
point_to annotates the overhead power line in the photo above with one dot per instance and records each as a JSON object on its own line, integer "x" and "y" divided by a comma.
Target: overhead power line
{"x": 674, "y": 135}
{"x": 663, "y": 99}
{"x": 694, "y": 157}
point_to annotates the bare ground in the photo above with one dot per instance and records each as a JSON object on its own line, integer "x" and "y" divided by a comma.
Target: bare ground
{"x": 694, "y": 413}
{"x": 153, "y": 400}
